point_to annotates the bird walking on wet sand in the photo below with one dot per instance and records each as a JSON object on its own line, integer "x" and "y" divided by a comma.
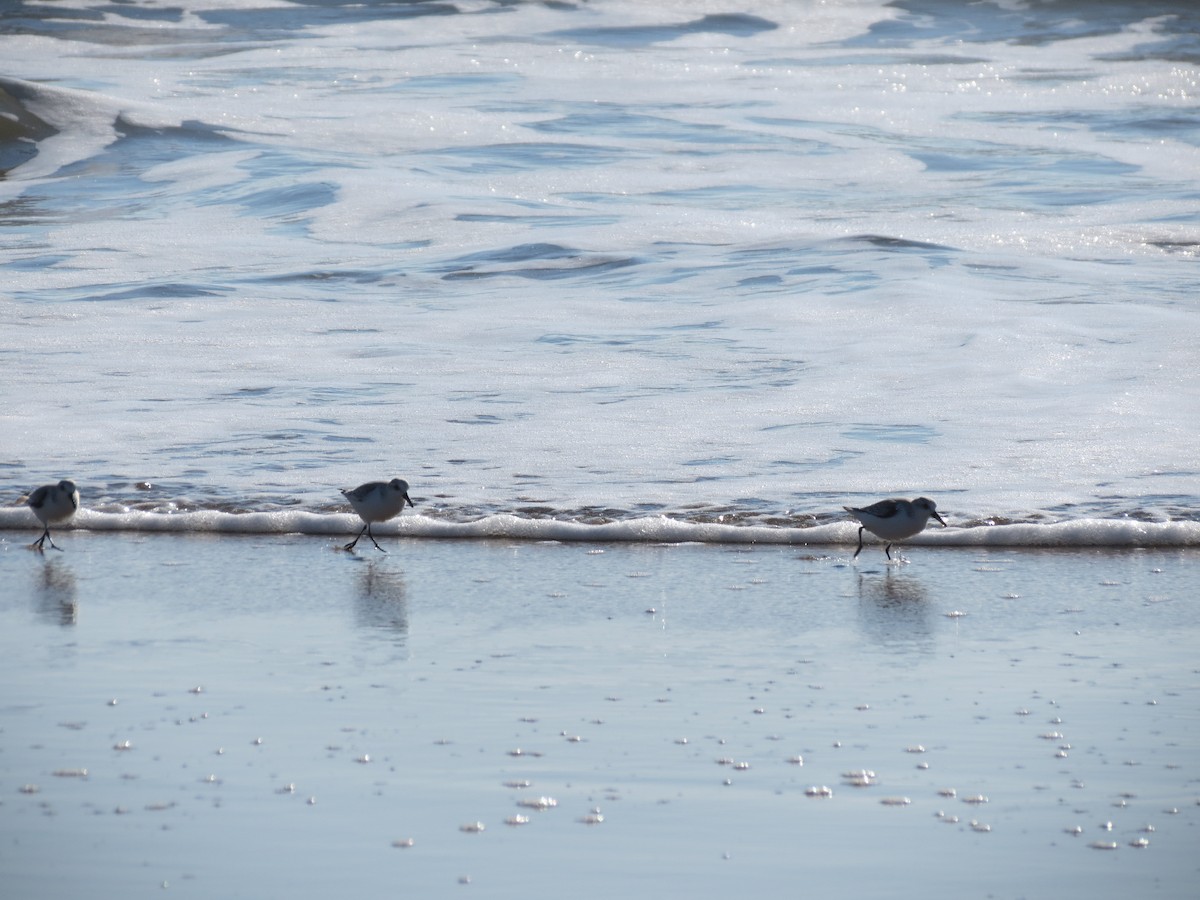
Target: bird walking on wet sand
{"x": 53, "y": 504}
{"x": 377, "y": 501}
{"x": 894, "y": 520}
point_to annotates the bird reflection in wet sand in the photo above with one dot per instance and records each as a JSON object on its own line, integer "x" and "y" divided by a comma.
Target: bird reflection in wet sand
{"x": 382, "y": 600}
{"x": 56, "y": 594}
{"x": 891, "y": 590}
{"x": 894, "y": 611}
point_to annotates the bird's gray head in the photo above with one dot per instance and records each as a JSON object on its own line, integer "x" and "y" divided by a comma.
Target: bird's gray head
{"x": 930, "y": 507}
{"x": 68, "y": 486}
{"x": 399, "y": 484}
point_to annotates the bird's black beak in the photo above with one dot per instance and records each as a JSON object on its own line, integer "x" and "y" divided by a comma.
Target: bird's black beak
{"x": 414, "y": 506}
{"x": 940, "y": 519}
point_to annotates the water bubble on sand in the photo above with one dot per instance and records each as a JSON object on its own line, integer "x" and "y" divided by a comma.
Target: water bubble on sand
{"x": 821, "y": 791}
{"x": 947, "y": 792}
{"x": 980, "y": 827}
{"x": 400, "y": 843}
{"x": 70, "y": 773}
{"x": 592, "y": 818}
{"x": 516, "y": 820}
{"x": 1075, "y": 830}
{"x": 796, "y": 760}
{"x": 895, "y": 801}
{"x": 975, "y": 799}
{"x": 29, "y": 789}
{"x": 472, "y": 827}
{"x": 1103, "y": 845}
{"x": 538, "y": 803}
{"x": 915, "y": 748}
{"x": 364, "y": 759}
{"x": 519, "y": 783}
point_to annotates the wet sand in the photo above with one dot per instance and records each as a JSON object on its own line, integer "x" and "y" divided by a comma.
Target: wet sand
{"x": 265, "y": 716}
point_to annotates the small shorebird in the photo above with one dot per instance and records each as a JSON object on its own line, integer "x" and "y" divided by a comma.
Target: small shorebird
{"x": 53, "y": 503}
{"x": 377, "y": 501}
{"x": 894, "y": 520}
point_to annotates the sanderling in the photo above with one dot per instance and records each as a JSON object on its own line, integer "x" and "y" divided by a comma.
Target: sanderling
{"x": 53, "y": 503}
{"x": 377, "y": 501}
{"x": 894, "y": 520}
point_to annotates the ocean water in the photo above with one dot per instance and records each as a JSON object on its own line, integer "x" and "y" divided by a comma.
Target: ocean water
{"x": 611, "y": 270}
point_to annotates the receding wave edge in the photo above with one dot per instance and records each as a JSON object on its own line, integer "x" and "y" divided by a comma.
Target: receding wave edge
{"x": 650, "y": 529}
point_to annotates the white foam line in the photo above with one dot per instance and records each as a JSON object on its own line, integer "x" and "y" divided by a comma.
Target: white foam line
{"x": 657, "y": 529}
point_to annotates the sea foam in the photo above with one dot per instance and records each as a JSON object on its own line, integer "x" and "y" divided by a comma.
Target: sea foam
{"x": 649, "y": 529}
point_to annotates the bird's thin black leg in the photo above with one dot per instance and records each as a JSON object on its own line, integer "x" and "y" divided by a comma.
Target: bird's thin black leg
{"x": 350, "y": 546}
{"x": 373, "y": 541}
{"x": 859, "y": 550}
{"x": 40, "y": 543}
{"x": 888, "y": 551}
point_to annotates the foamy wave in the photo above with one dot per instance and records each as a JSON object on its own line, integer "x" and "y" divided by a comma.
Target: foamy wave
{"x": 653, "y": 529}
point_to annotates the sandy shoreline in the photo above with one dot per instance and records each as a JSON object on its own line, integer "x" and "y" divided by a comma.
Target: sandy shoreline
{"x": 181, "y": 709}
